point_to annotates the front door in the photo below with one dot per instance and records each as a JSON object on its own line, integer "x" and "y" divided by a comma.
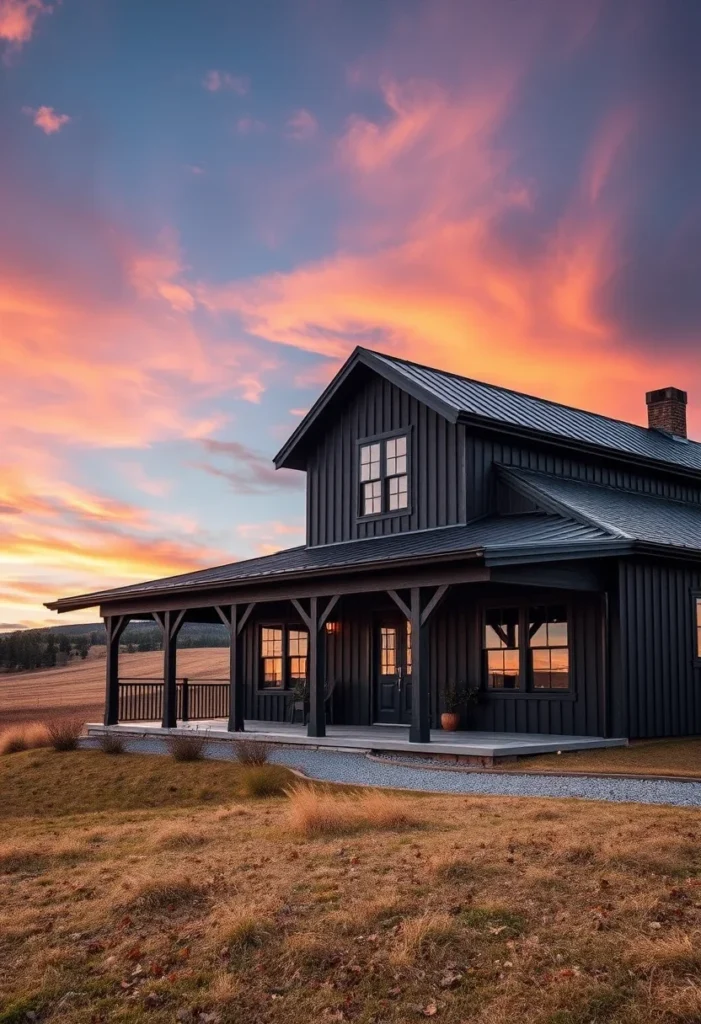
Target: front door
{"x": 393, "y": 661}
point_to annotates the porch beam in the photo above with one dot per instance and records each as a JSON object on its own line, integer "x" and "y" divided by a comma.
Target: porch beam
{"x": 430, "y": 608}
{"x": 431, "y": 575}
{"x": 400, "y": 603}
{"x": 317, "y": 672}
{"x": 420, "y": 728}
{"x": 114, "y": 627}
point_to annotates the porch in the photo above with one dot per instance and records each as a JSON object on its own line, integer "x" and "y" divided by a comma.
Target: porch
{"x": 469, "y": 746}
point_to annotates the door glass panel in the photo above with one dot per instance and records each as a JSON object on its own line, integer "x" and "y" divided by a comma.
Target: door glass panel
{"x": 388, "y": 650}
{"x": 408, "y": 648}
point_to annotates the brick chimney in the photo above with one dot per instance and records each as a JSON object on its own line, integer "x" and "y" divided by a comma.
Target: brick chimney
{"x": 666, "y": 411}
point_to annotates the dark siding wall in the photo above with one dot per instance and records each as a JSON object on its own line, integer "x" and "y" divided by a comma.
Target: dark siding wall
{"x": 656, "y": 685}
{"x": 484, "y": 494}
{"x": 438, "y": 476}
{"x": 455, "y": 649}
{"x": 456, "y": 657}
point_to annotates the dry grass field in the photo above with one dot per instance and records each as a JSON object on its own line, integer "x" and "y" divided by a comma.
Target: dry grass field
{"x": 79, "y": 688}
{"x": 134, "y": 889}
{"x": 681, "y": 757}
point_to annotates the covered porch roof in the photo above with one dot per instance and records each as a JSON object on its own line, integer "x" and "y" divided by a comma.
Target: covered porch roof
{"x": 475, "y": 547}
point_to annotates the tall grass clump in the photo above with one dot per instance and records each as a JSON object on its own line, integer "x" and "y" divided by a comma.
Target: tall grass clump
{"x": 64, "y": 733}
{"x": 314, "y": 812}
{"x": 250, "y": 751}
{"x": 111, "y": 743}
{"x": 261, "y": 780}
{"x": 188, "y": 747}
{"x": 23, "y": 737}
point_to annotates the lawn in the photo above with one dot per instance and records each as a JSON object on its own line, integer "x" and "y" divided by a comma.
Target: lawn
{"x": 643, "y": 757}
{"x": 136, "y": 889}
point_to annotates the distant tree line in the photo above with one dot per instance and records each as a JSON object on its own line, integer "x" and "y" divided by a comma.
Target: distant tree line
{"x": 30, "y": 649}
{"x": 39, "y": 648}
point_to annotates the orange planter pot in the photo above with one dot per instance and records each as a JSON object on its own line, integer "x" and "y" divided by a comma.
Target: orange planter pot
{"x": 450, "y": 721}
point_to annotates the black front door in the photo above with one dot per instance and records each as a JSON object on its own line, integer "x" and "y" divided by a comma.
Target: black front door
{"x": 393, "y": 661}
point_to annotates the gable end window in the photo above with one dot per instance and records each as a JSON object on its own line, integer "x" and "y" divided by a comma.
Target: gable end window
{"x": 384, "y": 476}
{"x": 283, "y": 657}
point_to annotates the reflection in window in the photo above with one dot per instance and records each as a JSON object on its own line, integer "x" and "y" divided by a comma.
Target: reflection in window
{"x": 370, "y": 462}
{"x": 501, "y": 648}
{"x": 271, "y": 655}
{"x": 372, "y": 498}
{"x": 549, "y": 648}
{"x": 408, "y": 648}
{"x": 297, "y": 648}
{"x": 384, "y": 476}
{"x": 698, "y": 627}
{"x": 388, "y": 650}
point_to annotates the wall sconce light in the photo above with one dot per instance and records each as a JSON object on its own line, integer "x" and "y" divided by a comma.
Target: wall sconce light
{"x": 333, "y": 627}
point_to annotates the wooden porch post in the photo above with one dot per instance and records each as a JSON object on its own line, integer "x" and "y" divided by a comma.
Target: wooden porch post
{"x": 420, "y": 728}
{"x": 317, "y": 672}
{"x": 170, "y": 623}
{"x": 114, "y": 627}
{"x": 235, "y": 618}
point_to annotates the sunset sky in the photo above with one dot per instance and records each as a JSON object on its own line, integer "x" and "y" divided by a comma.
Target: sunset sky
{"x": 205, "y": 205}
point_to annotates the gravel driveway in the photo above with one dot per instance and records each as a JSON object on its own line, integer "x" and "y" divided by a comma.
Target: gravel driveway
{"x": 332, "y": 766}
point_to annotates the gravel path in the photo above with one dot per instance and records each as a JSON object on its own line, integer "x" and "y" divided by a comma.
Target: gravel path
{"x": 331, "y": 766}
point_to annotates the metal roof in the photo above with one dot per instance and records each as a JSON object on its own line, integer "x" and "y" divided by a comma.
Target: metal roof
{"x": 627, "y": 515}
{"x": 494, "y": 536}
{"x": 472, "y": 398}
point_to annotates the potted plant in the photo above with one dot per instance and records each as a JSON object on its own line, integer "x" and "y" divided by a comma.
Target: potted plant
{"x": 457, "y": 697}
{"x": 300, "y": 700}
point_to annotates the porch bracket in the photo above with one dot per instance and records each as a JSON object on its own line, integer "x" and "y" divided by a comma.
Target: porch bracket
{"x": 430, "y": 608}
{"x": 400, "y": 603}
{"x": 332, "y": 602}
{"x": 114, "y": 627}
{"x": 303, "y": 614}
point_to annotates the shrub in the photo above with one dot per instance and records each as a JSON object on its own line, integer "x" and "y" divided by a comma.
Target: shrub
{"x": 249, "y": 751}
{"x": 187, "y": 747}
{"x": 315, "y": 812}
{"x": 64, "y": 733}
{"x": 264, "y": 780}
{"x": 23, "y": 737}
{"x": 111, "y": 743}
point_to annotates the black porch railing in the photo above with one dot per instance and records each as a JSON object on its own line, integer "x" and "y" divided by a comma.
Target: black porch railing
{"x": 141, "y": 700}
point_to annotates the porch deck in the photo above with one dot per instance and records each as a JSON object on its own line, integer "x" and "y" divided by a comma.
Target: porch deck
{"x": 486, "y": 746}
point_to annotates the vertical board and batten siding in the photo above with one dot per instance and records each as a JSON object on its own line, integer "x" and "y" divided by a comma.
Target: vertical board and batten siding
{"x": 455, "y": 657}
{"x": 482, "y": 452}
{"x": 437, "y": 467}
{"x": 656, "y": 680}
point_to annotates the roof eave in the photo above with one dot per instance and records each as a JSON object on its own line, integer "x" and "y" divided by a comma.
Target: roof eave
{"x": 290, "y": 455}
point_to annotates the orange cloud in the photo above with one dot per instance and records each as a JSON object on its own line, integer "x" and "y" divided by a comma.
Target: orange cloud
{"x": 17, "y": 19}
{"x": 428, "y": 270}
{"x": 47, "y": 119}
{"x": 301, "y": 125}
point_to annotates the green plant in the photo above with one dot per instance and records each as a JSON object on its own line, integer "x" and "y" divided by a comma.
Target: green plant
{"x": 458, "y": 697}
{"x": 299, "y": 690}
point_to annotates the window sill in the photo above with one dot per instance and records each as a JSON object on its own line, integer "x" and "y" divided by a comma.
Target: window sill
{"x": 270, "y": 691}
{"x": 394, "y": 514}
{"x": 531, "y": 694}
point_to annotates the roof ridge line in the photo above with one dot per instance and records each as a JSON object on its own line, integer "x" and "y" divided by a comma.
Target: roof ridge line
{"x": 513, "y": 391}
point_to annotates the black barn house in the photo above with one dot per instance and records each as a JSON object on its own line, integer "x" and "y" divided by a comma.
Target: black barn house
{"x": 459, "y": 534}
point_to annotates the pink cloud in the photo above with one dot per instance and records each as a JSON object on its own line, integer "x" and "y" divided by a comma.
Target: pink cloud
{"x": 17, "y": 19}
{"x": 224, "y": 81}
{"x": 47, "y": 119}
{"x": 301, "y": 125}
